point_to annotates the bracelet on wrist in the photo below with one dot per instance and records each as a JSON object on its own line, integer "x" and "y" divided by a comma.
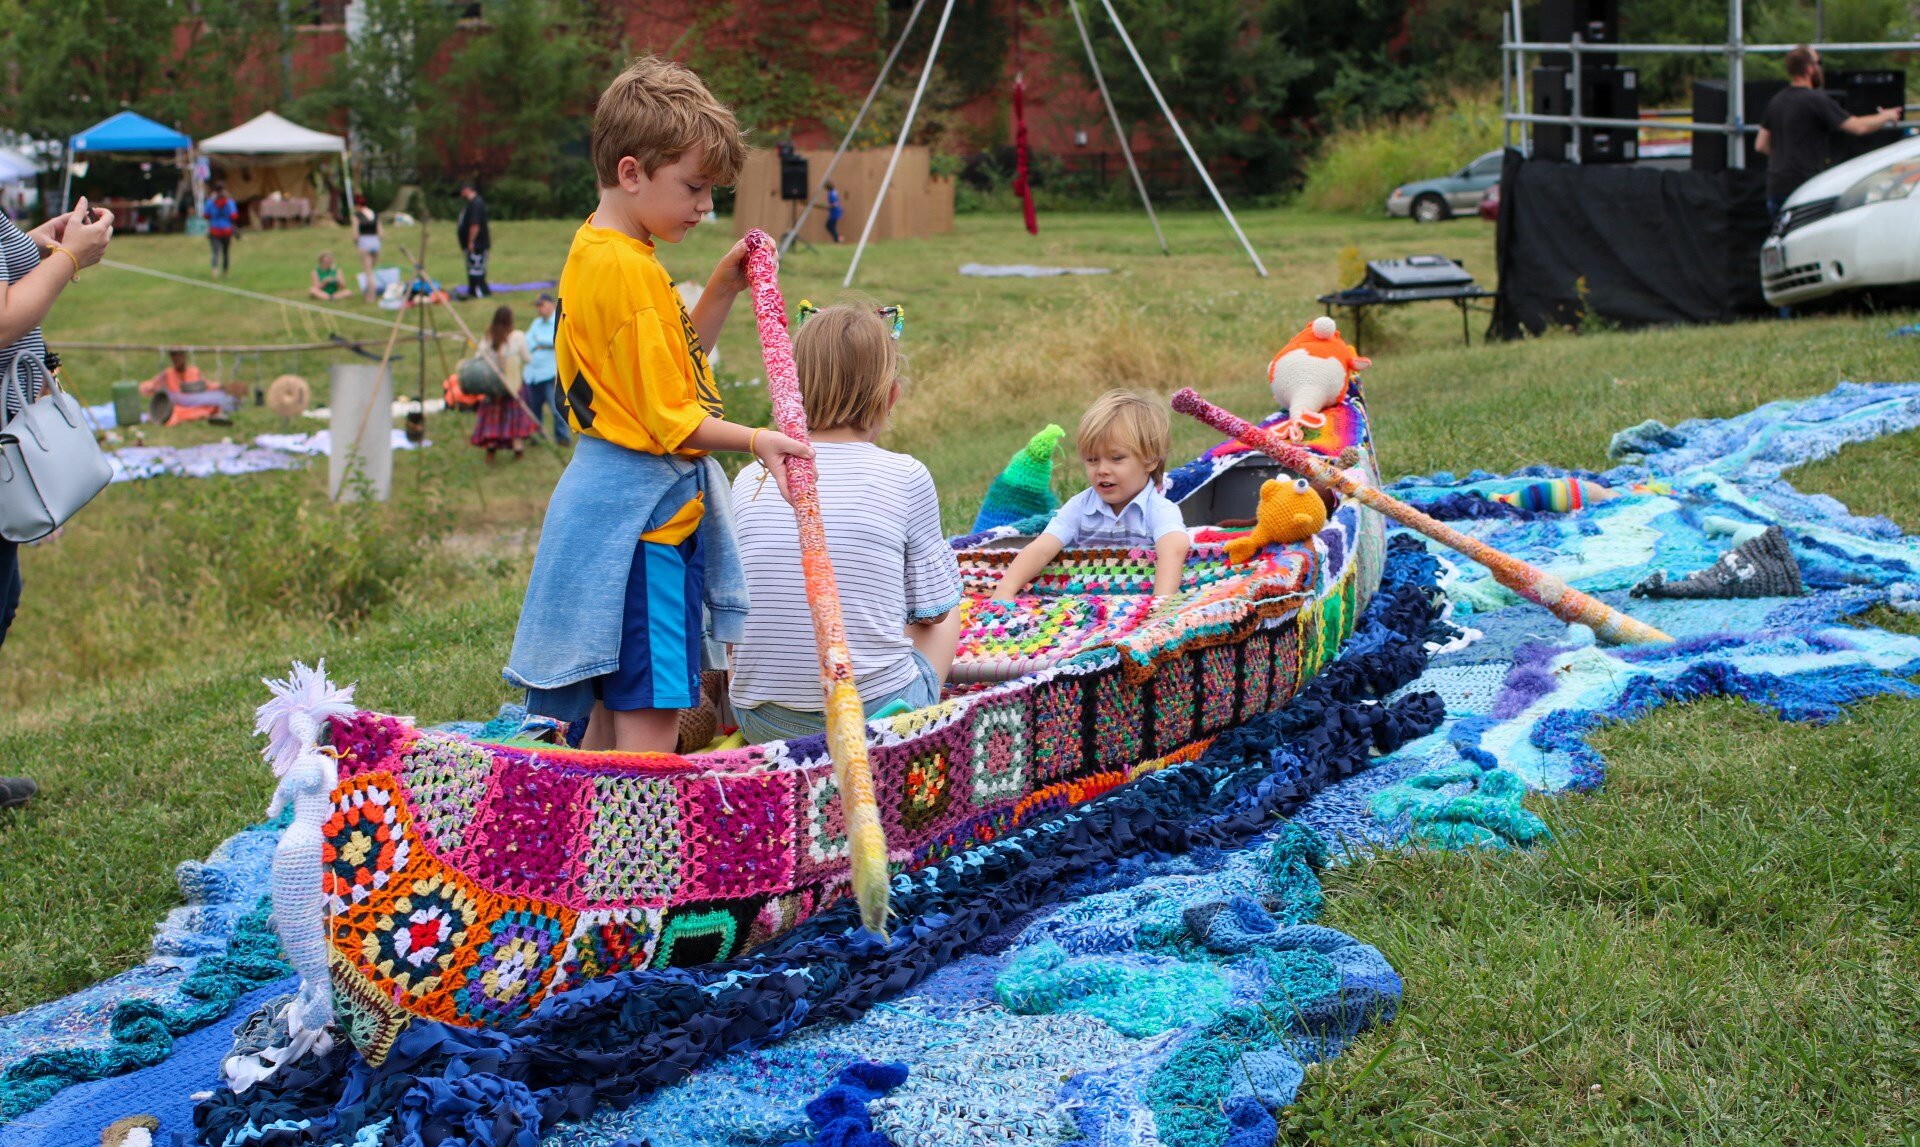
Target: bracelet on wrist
{"x": 752, "y": 438}
{"x": 71, "y": 258}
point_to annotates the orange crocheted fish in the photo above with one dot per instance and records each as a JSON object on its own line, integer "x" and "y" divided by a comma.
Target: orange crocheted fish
{"x": 1289, "y": 512}
{"x": 1312, "y": 371}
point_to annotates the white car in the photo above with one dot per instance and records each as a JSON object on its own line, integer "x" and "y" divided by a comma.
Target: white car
{"x": 1852, "y": 226}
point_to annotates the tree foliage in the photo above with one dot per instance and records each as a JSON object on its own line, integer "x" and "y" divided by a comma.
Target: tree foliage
{"x": 66, "y": 66}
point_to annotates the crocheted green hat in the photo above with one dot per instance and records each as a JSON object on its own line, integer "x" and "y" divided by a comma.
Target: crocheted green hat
{"x": 1025, "y": 488}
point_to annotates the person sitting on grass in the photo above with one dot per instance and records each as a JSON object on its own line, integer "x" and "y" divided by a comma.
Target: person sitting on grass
{"x": 191, "y": 394}
{"x": 503, "y": 420}
{"x": 1124, "y": 440}
{"x": 325, "y": 282}
{"x": 899, "y": 581}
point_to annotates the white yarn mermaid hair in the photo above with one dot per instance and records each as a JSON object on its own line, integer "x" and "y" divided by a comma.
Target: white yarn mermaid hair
{"x": 293, "y": 721}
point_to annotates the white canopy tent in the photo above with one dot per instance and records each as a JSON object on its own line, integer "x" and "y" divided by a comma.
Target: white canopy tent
{"x": 271, "y": 135}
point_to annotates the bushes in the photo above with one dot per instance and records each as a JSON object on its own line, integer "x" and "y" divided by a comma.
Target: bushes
{"x": 273, "y": 546}
{"x": 1356, "y": 168}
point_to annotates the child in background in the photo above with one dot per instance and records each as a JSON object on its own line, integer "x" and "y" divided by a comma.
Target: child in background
{"x": 326, "y": 279}
{"x": 637, "y": 556}
{"x": 833, "y": 211}
{"x": 222, "y": 215}
{"x": 503, "y": 421}
{"x": 1124, "y": 440}
{"x": 899, "y": 580}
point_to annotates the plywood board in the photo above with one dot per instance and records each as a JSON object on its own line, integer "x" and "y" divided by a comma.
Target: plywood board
{"x": 917, "y": 205}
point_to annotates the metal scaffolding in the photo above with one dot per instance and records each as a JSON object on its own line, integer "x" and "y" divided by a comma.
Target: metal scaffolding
{"x": 1514, "y": 72}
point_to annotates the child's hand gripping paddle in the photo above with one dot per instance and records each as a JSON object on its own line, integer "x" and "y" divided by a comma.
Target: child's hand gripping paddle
{"x": 1536, "y": 585}
{"x": 846, "y": 722}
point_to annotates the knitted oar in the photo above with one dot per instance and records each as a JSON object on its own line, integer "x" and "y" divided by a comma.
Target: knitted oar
{"x": 846, "y": 722}
{"x": 1536, "y": 585}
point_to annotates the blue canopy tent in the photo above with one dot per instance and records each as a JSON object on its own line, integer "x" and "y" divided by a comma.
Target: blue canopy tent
{"x": 126, "y": 131}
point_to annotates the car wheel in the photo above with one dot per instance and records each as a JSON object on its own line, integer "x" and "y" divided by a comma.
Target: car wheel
{"x": 1430, "y": 208}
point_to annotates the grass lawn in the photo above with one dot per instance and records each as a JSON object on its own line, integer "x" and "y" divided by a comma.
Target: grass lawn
{"x": 1719, "y": 945}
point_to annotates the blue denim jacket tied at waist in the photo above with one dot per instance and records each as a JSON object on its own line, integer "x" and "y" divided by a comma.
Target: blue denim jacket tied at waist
{"x": 570, "y": 625}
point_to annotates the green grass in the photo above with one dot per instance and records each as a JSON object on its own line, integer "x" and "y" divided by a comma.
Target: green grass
{"x": 1718, "y": 947}
{"x": 1712, "y": 939}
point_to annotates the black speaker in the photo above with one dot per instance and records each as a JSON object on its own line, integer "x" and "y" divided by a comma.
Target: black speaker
{"x": 1607, "y": 93}
{"x": 1865, "y": 92}
{"x": 1596, "y": 21}
{"x": 793, "y": 174}
{"x": 1710, "y": 106}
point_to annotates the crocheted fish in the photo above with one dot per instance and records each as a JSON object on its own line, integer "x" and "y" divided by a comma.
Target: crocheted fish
{"x": 1311, "y": 372}
{"x": 1289, "y": 512}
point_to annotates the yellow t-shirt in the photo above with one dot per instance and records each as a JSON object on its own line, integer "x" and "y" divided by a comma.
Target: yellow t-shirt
{"x": 629, "y": 360}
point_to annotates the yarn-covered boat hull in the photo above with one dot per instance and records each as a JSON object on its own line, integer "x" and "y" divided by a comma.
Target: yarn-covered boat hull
{"x": 466, "y": 881}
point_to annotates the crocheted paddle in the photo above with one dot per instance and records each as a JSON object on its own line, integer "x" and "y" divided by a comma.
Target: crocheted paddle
{"x": 846, "y": 722}
{"x": 1536, "y": 585}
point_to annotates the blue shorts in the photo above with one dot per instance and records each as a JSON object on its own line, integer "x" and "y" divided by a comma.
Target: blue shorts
{"x": 768, "y": 721}
{"x": 660, "y": 630}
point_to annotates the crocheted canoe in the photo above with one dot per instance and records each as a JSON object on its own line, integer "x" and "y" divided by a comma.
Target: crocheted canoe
{"x": 466, "y": 881}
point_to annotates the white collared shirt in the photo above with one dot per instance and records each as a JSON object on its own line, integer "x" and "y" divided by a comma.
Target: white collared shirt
{"x": 1086, "y": 520}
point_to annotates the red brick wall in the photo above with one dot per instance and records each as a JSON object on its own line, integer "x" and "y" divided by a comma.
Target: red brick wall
{"x": 841, "y": 35}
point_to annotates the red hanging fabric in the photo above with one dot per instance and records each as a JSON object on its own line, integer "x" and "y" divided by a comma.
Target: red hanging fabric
{"x": 1020, "y": 154}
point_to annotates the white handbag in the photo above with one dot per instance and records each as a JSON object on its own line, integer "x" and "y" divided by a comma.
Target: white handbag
{"x": 50, "y": 465}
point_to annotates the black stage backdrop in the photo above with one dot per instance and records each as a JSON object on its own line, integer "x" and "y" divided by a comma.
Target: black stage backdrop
{"x": 1653, "y": 246}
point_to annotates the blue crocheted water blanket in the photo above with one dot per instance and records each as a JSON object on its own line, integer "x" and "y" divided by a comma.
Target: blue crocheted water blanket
{"x": 1128, "y": 1010}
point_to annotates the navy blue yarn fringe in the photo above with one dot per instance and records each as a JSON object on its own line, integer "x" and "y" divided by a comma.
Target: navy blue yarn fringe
{"x": 614, "y": 1040}
{"x": 839, "y": 1114}
{"x": 1455, "y": 507}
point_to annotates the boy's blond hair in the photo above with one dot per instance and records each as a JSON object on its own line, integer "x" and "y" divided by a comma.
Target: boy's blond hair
{"x": 848, "y": 364}
{"x": 1134, "y": 420}
{"x": 657, "y": 111}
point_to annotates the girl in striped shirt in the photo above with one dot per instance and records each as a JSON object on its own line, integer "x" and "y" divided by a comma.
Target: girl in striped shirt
{"x": 898, "y": 578}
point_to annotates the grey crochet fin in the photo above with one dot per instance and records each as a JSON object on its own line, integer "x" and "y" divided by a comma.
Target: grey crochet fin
{"x": 1763, "y": 566}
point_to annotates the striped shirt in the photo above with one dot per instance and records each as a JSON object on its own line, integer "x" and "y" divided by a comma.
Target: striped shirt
{"x": 890, "y": 560}
{"x": 18, "y": 257}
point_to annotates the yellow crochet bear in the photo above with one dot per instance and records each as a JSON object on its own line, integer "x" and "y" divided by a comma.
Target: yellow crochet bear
{"x": 1289, "y": 512}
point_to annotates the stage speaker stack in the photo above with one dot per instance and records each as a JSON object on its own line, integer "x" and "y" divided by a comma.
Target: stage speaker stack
{"x": 1596, "y": 22}
{"x": 793, "y": 174}
{"x": 1710, "y": 106}
{"x": 1863, "y": 93}
{"x": 1606, "y": 93}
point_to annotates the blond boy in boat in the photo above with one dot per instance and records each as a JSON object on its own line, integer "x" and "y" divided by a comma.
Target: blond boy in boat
{"x": 1124, "y": 439}
{"x": 637, "y": 556}
{"x": 898, "y": 578}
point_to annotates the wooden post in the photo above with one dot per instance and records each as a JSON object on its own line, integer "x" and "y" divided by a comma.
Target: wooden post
{"x": 846, "y": 720}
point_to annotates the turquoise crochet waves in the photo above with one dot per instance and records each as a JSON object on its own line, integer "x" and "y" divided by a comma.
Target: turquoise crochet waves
{"x": 1461, "y": 805}
{"x": 1135, "y": 1001}
{"x": 142, "y": 1030}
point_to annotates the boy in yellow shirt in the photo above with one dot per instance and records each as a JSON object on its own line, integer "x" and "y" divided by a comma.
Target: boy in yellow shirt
{"x": 637, "y": 557}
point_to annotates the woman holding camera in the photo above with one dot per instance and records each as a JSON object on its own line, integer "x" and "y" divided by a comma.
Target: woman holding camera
{"x": 35, "y": 266}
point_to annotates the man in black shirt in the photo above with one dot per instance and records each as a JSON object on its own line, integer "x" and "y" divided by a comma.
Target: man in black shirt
{"x": 474, "y": 239}
{"x": 1794, "y": 130}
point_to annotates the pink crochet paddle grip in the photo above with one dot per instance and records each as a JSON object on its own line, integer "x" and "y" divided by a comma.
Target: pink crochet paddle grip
{"x": 1536, "y": 585}
{"x": 845, "y": 719}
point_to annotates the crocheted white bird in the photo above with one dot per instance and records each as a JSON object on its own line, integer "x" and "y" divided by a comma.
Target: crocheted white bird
{"x": 1311, "y": 372}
